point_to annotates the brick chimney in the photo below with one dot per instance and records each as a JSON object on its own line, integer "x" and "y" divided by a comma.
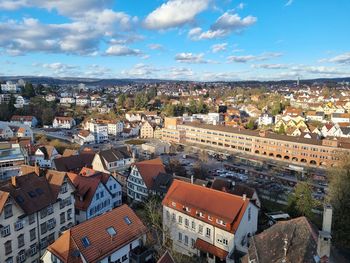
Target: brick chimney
{"x": 324, "y": 236}
{"x": 14, "y": 181}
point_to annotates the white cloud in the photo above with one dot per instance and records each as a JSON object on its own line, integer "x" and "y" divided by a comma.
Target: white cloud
{"x": 191, "y": 58}
{"x": 156, "y": 47}
{"x": 175, "y": 13}
{"x": 121, "y": 50}
{"x": 248, "y": 58}
{"x": 270, "y": 66}
{"x": 341, "y": 59}
{"x": 226, "y": 24}
{"x": 218, "y": 47}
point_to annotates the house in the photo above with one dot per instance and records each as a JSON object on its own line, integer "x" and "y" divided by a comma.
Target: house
{"x": 266, "y": 119}
{"x": 12, "y": 156}
{"x": 67, "y": 100}
{"x": 63, "y": 122}
{"x": 30, "y": 121}
{"x": 95, "y": 194}
{"x": 315, "y": 116}
{"x": 146, "y": 178}
{"x": 50, "y": 97}
{"x": 20, "y": 102}
{"x": 115, "y": 128}
{"x": 112, "y": 160}
{"x": 85, "y": 137}
{"x": 35, "y": 208}
{"x": 106, "y": 238}
{"x": 99, "y": 131}
{"x": 5, "y": 131}
{"x": 45, "y": 155}
{"x": 10, "y": 87}
{"x": 82, "y": 101}
{"x": 147, "y": 130}
{"x": 340, "y": 117}
{"x": 295, "y": 240}
{"x": 130, "y": 116}
{"x": 211, "y": 224}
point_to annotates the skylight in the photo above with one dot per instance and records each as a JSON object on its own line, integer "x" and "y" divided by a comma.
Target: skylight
{"x": 127, "y": 220}
{"x": 85, "y": 241}
{"x": 111, "y": 231}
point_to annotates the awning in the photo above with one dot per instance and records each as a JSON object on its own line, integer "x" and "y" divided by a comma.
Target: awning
{"x": 207, "y": 247}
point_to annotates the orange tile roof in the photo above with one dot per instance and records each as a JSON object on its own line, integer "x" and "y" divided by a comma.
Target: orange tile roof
{"x": 101, "y": 244}
{"x": 149, "y": 170}
{"x": 166, "y": 258}
{"x": 207, "y": 247}
{"x": 85, "y": 189}
{"x": 216, "y": 204}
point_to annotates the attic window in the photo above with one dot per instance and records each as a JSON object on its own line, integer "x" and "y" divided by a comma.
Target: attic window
{"x": 85, "y": 241}
{"x": 111, "y": 231}
{"x": 32, "y": 194}
{"x": 220, "y": 222}
{"x": 39, "y": 191}
{"x": 127, "y": 220}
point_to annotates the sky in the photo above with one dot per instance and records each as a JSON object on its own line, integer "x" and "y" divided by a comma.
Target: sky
{"x": 200, "y": 40}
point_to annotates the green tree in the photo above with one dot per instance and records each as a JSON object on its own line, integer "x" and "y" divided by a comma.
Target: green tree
{"x": 28, "y": 90}
{"x": 11, "y": 105}
{"x": 251, "y": 124}
{"x": 281, "y": 130}
{"x": 301, "y": 202}
{"x": 339, "y": 198}
{"x": 121, "y": 100}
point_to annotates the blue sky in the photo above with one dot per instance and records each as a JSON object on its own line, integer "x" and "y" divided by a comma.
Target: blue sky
{"x": 176, "y": 39}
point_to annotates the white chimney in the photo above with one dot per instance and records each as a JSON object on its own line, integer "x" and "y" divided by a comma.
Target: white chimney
{"x": 192, "y": 179}
{"x": 244, "y": 197}
{"x": 324, "y": 236}
{"x": 327, "y": 218}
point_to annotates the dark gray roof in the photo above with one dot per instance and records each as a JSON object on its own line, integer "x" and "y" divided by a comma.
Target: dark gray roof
{"x": 74, "y": 162}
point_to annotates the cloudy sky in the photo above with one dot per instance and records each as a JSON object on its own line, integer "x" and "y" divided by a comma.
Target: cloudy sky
{"x": 176, "y": 39}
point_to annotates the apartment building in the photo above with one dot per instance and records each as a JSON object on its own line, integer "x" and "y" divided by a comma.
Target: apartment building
{"x": 211, "y": 224}
{"x": 10, "y": 87}
{"x": 11, "y": 158}
{"x": 63, "y": 122}
{"x": 147, "y": 130}
{"x": 30, "y": 121}
{"x": 34, "y": 209}
{"x": 96, "y": 193}
{"x": 147, "y": 177}
{"x": 111, "y": 237}
{"x": 299, "y": 150}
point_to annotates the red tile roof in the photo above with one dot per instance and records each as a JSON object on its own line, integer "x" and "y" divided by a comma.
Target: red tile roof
{"x": 166, "y": 258}
{"x": 101, "y": 244}
{"x": 207, "y": 247}
{"x": 216, "y": 204}
{"x": 149, "y": 170}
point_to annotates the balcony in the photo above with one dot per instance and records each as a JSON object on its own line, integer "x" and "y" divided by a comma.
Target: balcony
{"x": 141, "y": 254}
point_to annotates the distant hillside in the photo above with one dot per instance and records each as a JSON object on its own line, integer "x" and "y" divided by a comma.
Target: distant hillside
{"x": 107, "y": 82}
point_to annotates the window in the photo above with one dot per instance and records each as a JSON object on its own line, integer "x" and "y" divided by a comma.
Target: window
{"x": 249, "y": 213}
{"x": 18, "y": 225}
{"x": 33, "y": 250}
{"x": 69, "y": 214}
{"x": 208, "y": 232}
{"x": 220, "y": 222}
{"x": 180, "y": 220}
{"x": 20, "y": 241}
{"x": 8, "y": 247}
{"x": 62, "y": 204}
{"x": 193, "y": 225}
{"x": 186, "y": 240}
{"x": 173, "y": 204}
{"x": 32, "y": 234}
{"x": 50, "y": 209}
{"x": 21, "y": 256}
{"x": 124, "y": 258}
{"x": 8, "y": 211}
{"x": 64, "y": 188}
{"x": 200, "y": 229}
{"x": 173, "y": 217}
{"x": 210, "y": 218}
{"x": 167, "y": 214}
{"x": 186, "y": 222}
{"x": 43, "y": 213}
{"x": 51, "y": 223}
{"x": 43, "y": 228}
{"x": 192, "y": 242}
{"x": 111, "y": 231}
{"x": 85, "y": 241}
{"x": 31, "y": 219}
{"x": 9, "y": 260}
{"x": 127, "y": 220}
{"x": 180, "y": 236}
{"x": 5, "y": 231}
{"x": 62, "y": 218}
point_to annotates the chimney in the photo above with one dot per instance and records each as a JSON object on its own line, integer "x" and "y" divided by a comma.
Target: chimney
{"x": 327, "y": 218}
{"x": 192, "y": 179}
{"x": 14, "y": 181}
{"x": 244, "y": 197}
{"x": 324, "y": 236}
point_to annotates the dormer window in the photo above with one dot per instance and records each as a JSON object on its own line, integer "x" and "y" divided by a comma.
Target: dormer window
{"x": 187, "y": 209}
{"x": 210, "y": 218}
{"x": 173, "y": 204}
{"x": 220, "y": 222}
